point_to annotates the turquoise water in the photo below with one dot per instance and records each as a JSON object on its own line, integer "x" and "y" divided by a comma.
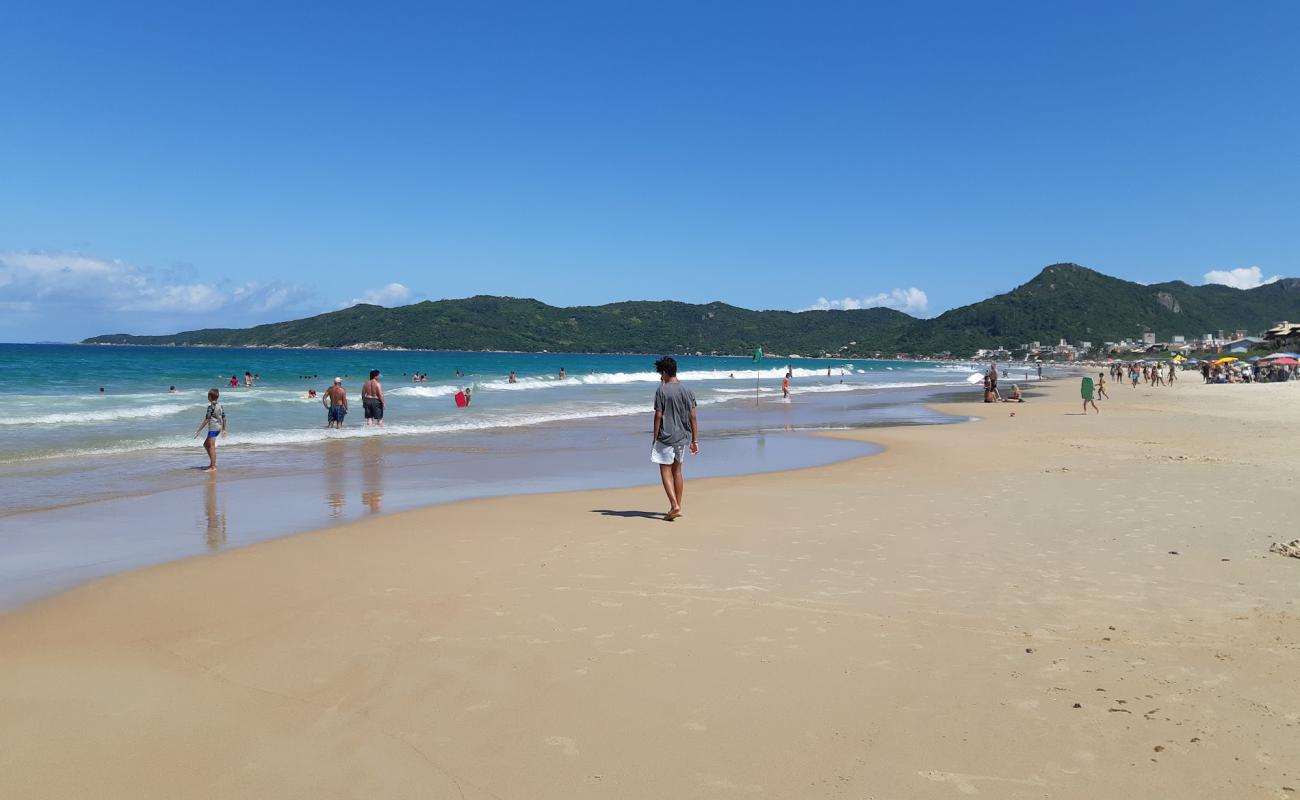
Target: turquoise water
{"x": 52, "y": 406}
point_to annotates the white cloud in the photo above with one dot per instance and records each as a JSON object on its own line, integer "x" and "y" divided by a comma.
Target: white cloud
{"x": 80, "y": 286}
{"x": 1240, "y": 278}
{"x": 911, "y": 301}
{"x": 391, "y": 294}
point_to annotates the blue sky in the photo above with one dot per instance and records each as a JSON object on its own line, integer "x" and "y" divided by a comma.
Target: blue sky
{"x": 173, "y": 166}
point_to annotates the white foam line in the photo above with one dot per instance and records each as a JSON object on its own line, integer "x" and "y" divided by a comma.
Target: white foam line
{"x": 97, "y": 416}
{"x": 469, "y": 422}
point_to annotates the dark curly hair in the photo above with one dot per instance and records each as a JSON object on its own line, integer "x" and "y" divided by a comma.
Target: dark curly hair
{"x": 667, "y": 366}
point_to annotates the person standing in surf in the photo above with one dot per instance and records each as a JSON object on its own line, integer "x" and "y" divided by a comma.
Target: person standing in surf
{"x": 372, "y": 399}
{"x": 215, "y": 420}
{"x": 336, "y": 400}
{"x": 675, "y": 428}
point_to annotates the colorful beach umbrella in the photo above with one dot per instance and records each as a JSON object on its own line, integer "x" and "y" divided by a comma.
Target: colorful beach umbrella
{"x": 1286, "y": 362}
{"x": 1227, "y": 360}
{"x": 1281, "y": 355}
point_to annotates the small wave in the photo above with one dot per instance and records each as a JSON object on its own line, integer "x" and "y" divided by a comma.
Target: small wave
{"x": 99, "y": 415}
{"x": 424, "y": 391}
{"x": 468, "y": 421}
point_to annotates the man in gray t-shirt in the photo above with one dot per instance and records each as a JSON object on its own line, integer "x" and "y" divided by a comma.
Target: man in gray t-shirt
{"x": 675, "y": 429}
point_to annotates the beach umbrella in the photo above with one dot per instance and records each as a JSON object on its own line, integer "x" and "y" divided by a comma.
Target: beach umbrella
{"x": 1286, "y": 362}
{"x": 1227, "y": 360}
{"x": 1281, "y": 355}
{"x": 1253, "y": 358}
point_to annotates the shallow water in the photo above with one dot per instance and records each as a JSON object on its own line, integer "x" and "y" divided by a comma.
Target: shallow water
{"x": 91, "y": 484}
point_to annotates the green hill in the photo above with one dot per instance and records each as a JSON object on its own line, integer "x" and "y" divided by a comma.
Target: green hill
{"x": 1079, "y": 304}
{"x": 1063, "y": 301}
{"x": 507, "y": 323}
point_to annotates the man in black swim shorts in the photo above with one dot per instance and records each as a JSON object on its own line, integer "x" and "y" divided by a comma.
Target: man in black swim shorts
{"x": 372, "y": 399}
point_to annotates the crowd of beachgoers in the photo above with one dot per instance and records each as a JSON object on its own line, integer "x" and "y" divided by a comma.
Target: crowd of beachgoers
{"x": 1274, "y": 368}
{"x": 1255, "y": 369}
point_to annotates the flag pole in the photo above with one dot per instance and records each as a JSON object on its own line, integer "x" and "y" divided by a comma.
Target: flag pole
{"x": 758, "y": 366}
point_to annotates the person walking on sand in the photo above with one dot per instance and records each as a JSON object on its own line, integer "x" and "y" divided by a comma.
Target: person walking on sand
{"x": 215, "y": 421}
{"x": 372, "y": 399}
{"x": 336, "y": 400}
{"x": 675, "y": 427}
{"x": 1101, "y": 385}
{"x": 1085, "y": 390}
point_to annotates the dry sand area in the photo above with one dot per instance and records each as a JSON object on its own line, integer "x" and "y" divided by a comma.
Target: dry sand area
{"x": 1047, "y": 605}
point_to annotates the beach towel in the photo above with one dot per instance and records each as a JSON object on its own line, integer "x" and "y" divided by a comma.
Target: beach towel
{"x": 1086, "y": 389}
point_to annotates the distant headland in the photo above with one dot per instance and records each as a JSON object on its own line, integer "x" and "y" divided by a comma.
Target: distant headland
{"x": 1064, "y": 301}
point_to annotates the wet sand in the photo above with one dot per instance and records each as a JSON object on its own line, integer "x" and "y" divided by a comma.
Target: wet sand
{"x": 1044, "y": 605}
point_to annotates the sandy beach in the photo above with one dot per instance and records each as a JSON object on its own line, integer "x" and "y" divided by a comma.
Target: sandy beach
{"x": 1044, "y": 605}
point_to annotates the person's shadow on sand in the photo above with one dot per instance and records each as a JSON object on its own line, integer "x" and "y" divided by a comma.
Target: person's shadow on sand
{"x": 607, "y": 512}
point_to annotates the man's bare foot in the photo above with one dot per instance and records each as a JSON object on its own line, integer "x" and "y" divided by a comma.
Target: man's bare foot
{"x": 672, "y": 515}
{"x": 209, "y": 469}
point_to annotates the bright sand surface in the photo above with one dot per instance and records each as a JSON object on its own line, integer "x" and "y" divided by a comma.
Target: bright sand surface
{"x": 1044, "y": 605}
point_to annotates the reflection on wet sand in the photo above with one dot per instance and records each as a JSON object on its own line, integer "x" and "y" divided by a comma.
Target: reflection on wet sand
{"x": 372, "y": 475}
{"x": 335, "y": 476}
{"x": 215, "y": 514}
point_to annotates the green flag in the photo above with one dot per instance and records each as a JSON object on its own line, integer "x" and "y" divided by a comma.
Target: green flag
{"x": 758, "y": 355}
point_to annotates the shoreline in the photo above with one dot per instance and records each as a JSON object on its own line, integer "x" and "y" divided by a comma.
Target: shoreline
{"x": 920, "y": 623}
{"x": 337, "y": 480}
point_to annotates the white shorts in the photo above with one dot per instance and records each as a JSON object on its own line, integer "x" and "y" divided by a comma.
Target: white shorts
{"x": 667, "y": 453}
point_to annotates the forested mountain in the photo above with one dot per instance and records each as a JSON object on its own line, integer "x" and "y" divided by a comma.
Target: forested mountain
{"x": 1063, "y": 301}
{"x": 506, "y": 323}
{"x": 1080, "y": 304}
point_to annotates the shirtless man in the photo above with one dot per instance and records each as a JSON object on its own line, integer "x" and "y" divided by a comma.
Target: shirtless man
{"x": 372, "y": 399}
{"x": 336, "y": 400}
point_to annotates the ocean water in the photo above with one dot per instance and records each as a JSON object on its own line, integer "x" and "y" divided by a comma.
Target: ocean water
{"x": 52, "y": 409}
{"x": 92, "y": 482}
